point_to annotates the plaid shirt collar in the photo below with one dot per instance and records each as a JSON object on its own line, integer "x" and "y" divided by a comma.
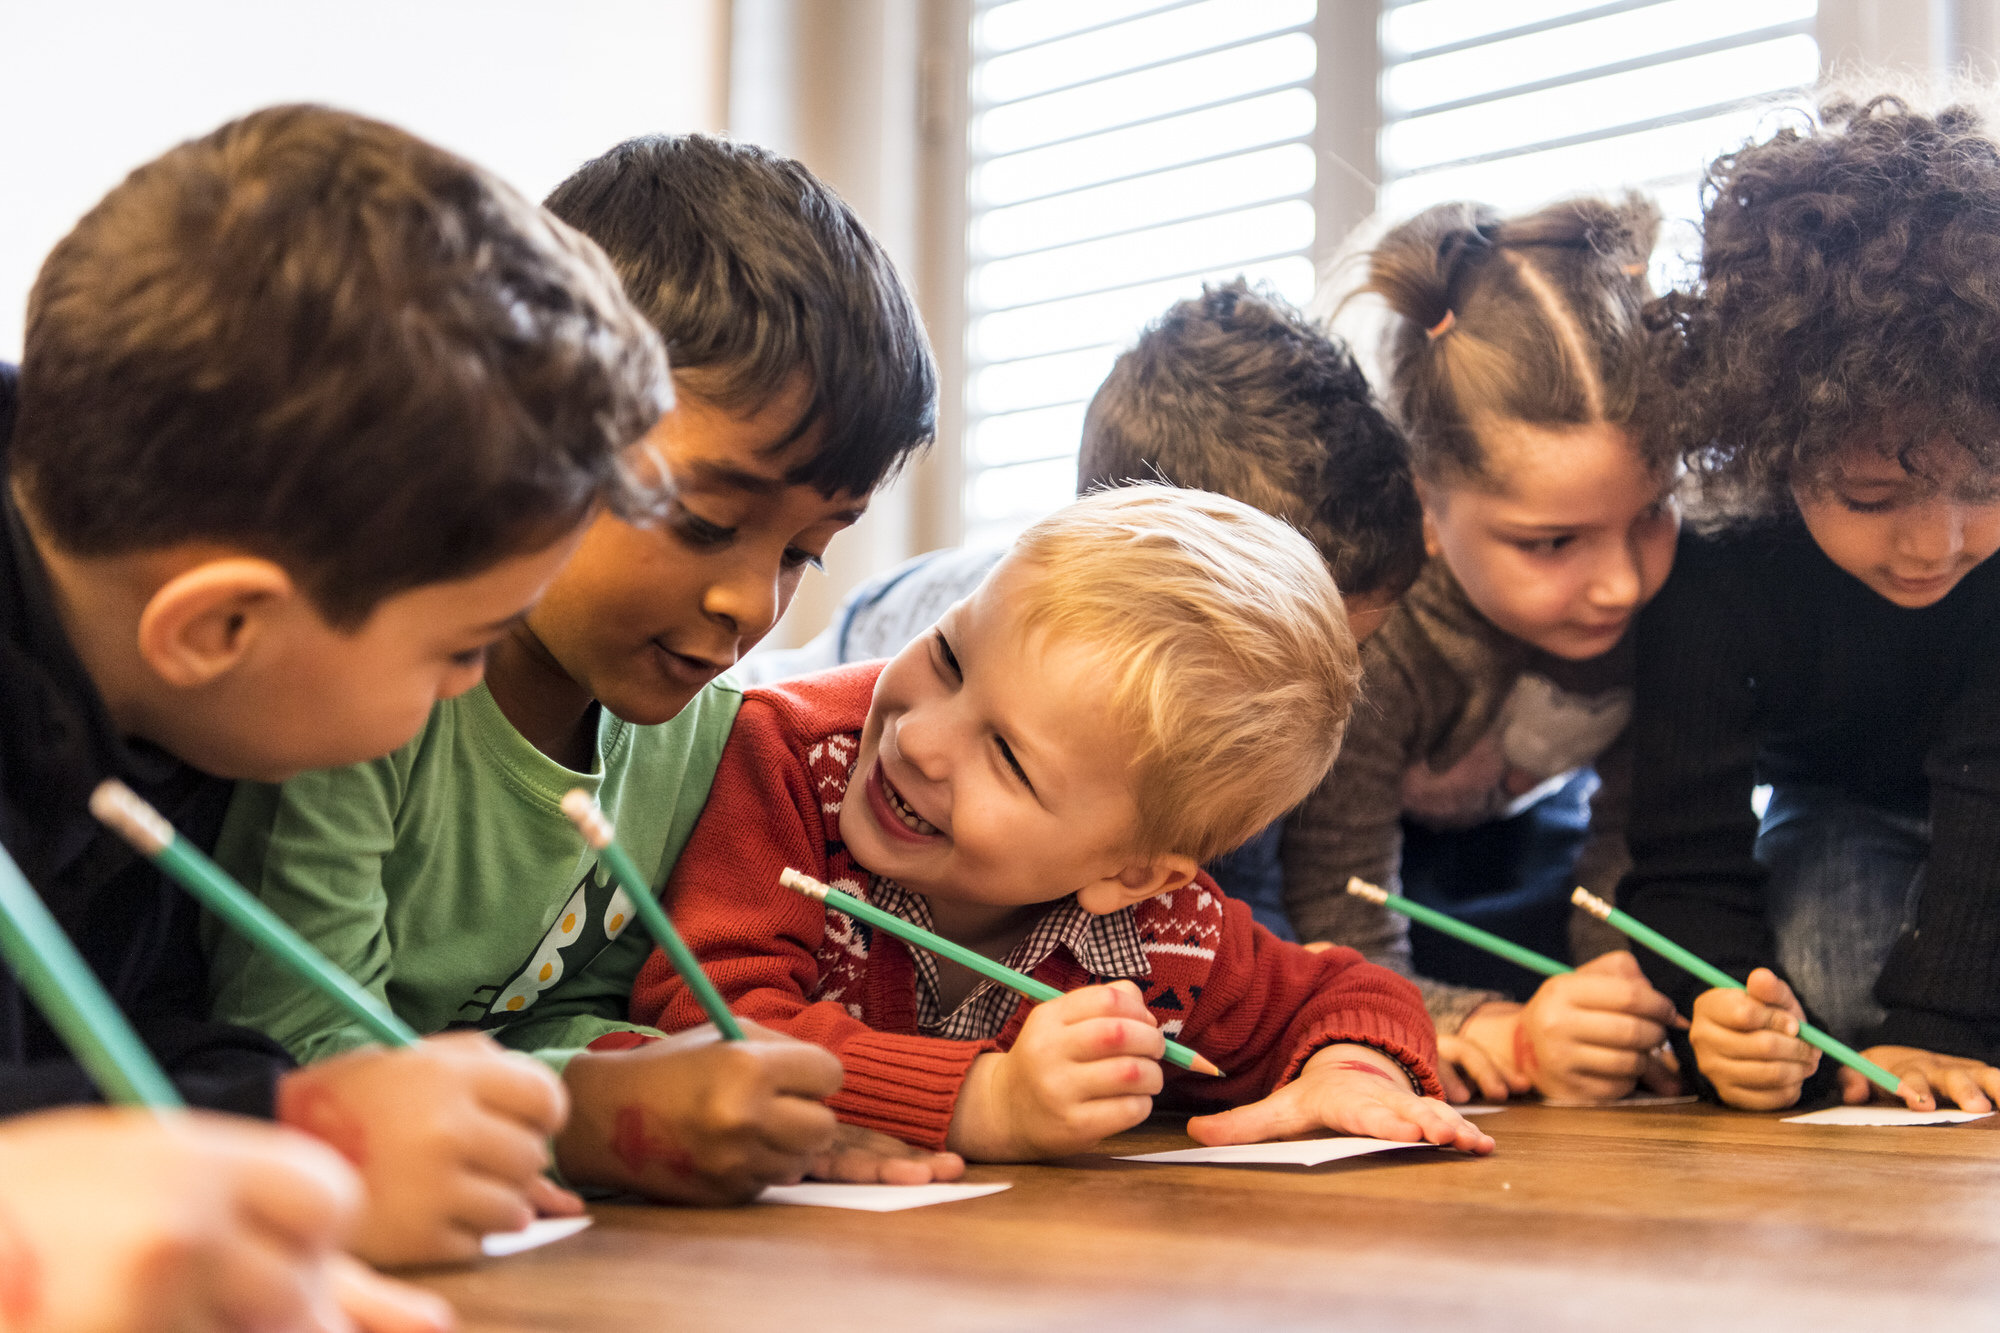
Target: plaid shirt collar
{"x": 1108, "y": 946}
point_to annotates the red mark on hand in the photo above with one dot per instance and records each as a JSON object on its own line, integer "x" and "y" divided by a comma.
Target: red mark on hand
{"x": 318, "y": 1110}
{"x": 1524, "y": 1051}
{"x": 20, "y": 1276}
{"x": 1363, "y": 1067}
{"x": 637, "y": 1151}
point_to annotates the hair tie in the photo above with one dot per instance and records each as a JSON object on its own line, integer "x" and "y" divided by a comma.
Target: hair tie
{"x": 1635, "y": 270}
{"x": 1443, "y": 326}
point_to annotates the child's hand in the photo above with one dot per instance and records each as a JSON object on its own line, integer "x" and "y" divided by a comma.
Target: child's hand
{"x": 1746, "y": 1042}
{"x": 118, "y": 1220}
{"x": 1584, "y": 1036}
{"x": 863, "y": 1157}
{"x": 1971, "y": 1084}
{"x": 1483, "y": 1054}
{"x": 694, "y": 1119}
{"x": 1085, "y": 1065}
{"x": 450, "y": 1135}
{"x": 1353, "y": 1089}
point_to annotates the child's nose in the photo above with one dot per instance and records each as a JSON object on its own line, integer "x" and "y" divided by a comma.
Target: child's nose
{"x": 746, "y": 600}
{"x": 1618, "y": 579}
{"x": 1933, "y": 533}
{"x": 923, "y": 741}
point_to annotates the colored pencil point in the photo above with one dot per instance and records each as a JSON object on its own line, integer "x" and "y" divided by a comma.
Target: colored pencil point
{"x": 1019, "y": 982}
{"x": 1715, "y": 976}
{"x": 591, "y": 821}
{"x": 122, "y": 810}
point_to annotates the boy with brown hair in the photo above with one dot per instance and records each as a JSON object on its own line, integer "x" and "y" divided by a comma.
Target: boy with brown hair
{"x": 309, "y": 412}
{"x": 1148, "y": 676}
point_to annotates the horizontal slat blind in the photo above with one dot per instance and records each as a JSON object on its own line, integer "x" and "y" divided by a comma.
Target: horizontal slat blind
{"x": 1518, "y": 102}
{"x": 1123, "y": 151}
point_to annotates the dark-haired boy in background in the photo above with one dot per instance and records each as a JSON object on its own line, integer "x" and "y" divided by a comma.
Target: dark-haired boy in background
{"x": 445, "y": 877}
{"x": 309, "y": 412}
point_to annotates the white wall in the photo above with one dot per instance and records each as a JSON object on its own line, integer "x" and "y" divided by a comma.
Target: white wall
{"x": 90, "y": 89}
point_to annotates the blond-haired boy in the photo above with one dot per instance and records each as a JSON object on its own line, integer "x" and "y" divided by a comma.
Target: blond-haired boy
{"x": 1147, "y": 678}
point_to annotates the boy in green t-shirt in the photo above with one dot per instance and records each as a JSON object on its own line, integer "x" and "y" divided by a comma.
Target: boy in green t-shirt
{"x": 445, "y": 877}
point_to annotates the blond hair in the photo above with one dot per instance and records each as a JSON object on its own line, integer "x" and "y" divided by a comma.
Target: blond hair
{"x": 1226, "y": 652}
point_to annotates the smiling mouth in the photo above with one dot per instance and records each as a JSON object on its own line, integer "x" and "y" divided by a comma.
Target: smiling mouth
{"x": 900, "y": 808}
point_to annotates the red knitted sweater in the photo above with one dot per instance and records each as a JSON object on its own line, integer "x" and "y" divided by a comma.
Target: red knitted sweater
{"x": 1221, "y": 983}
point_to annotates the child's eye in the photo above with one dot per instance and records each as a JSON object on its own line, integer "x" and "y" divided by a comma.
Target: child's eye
{"x": 471, "y": 657}
{"x": 950, "y": 658}
{"x": 1007, "y": 753}
{"x": 1854, "y": 506}
{"x": 797, "y": 558}
{"x": 1544, "y": 545}
{"x": 698, "y": 531}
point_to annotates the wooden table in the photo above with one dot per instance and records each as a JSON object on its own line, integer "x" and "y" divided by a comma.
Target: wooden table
{"x": 1684, "y": 1218}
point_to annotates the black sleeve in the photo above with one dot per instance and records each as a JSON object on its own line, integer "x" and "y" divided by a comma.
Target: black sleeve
{"x": 147, "y": 953}
{"x": 1941, "y": 984}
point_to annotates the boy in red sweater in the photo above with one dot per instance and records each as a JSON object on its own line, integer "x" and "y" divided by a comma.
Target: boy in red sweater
{"x": 1147, "y": 678}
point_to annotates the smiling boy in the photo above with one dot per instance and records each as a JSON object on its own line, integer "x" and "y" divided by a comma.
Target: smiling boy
{"x": 1147, "y": 678}
{"x": 445, "y": 877}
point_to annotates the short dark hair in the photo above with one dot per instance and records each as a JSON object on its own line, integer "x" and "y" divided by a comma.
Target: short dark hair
{"x": 753, "y": 271}
{"x": 1847, "y": 282}
{"x": 1534, "y": 319}
{"x": 321, "y": 339}
{"x": 1238, "y": 393}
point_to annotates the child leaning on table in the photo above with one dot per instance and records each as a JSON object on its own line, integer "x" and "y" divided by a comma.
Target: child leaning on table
{"x": 1148, "y": 677}
{"x": 1516, "y": 365}
{"x": 1836, "y": 633}
{"x": 445, "y": 877}
{"x": 309, "y": 410}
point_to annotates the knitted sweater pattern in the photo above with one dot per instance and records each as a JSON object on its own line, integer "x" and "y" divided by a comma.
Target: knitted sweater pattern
{"x": 1257, "y": 1006}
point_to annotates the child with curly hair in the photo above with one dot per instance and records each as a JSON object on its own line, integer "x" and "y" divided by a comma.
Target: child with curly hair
{"x": 1515, "y": 362}
{"x": 1836, "y": 631}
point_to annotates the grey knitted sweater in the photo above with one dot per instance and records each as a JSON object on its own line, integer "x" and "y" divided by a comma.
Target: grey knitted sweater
{"x": 1458, "y": 723}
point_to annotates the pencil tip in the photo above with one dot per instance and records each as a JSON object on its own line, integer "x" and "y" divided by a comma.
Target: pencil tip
{"x": 1203, "y": 1065}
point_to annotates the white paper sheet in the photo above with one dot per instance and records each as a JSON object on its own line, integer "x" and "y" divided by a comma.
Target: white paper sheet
{"x": 873, "y": 1198}
{"x": 1303, "y": 1152}
{"x": 542, "y": 1231}
{"x": 1883, "y": 1115}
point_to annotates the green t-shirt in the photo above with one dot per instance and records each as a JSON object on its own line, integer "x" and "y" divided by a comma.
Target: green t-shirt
{"x": 446, "y": 879}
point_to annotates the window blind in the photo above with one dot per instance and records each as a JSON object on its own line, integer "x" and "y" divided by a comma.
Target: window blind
{"x": 1121, "y": 153}
{"x": 1519, "y": 102}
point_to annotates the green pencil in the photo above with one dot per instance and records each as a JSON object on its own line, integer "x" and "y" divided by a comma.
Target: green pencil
{"x": 1452, "y": 926}
{"x": 73, "y": 1000}
{"x": 1715, "y": 976}
{"x": 119, "y": 807}
{"x": 590, "y": 820}
{"x": 1021, "y": 982}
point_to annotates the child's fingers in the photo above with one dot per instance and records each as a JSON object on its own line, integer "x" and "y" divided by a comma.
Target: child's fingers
{"x": 1119, "y": 999}
{"x": 797, "y": 1127}
{"x": 1662, "y": 1074}
{"x": 1095, "y": 1080}
{"x": 377, "y": 1304}
{"x": 481, "y": 1205}
{"x": 287, "y": 1183}
{"x": 1447, "y": 1128}
{"x": 1740, "y": 1011}
{"x": 1456, "y": 1053}
{"x": 549, "y": 1199}
{"x": 797, "y": 1068}
{"x": 1108, "y": 1038}
{"x": 1961, "y": 1084}
{"x": 1614, "y": 1029}
{"x": 502, "y": 1150}
{"x": 507, "y": 1082}
{"x": 1765, "y": 985}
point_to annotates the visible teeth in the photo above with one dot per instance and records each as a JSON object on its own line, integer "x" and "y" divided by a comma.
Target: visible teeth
{"x": 911, "y": 819}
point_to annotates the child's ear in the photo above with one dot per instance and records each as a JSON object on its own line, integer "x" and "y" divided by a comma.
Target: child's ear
{"x": 1137, "y": 882}
{"x": 203, "y": 621}
{"x": 1429, "y": 498}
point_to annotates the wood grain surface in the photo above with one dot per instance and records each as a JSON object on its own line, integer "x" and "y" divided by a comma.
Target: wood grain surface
{"x": 1684, "y": 1218}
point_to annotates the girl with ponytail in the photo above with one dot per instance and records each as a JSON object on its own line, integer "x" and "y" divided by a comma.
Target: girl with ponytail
{"x": 1516, "y": 362}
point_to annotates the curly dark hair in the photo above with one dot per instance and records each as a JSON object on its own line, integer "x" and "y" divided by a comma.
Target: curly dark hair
{"x": 1850, "y": 281}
